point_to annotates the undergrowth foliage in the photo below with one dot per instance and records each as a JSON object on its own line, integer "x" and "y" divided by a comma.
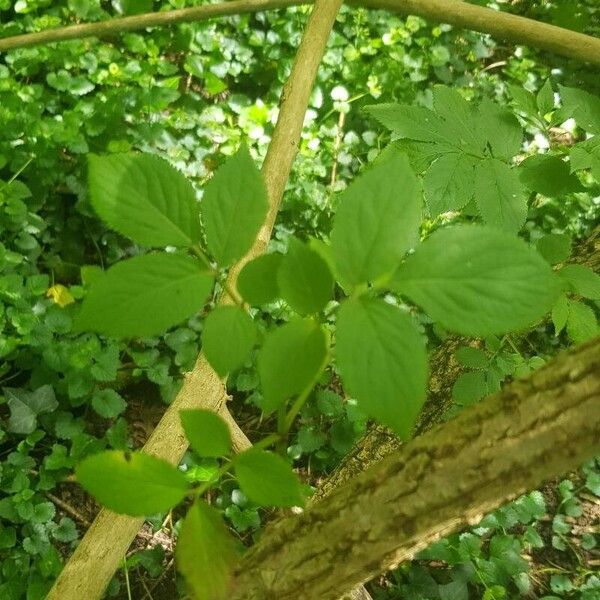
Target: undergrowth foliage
{"x": 353, "y": 298}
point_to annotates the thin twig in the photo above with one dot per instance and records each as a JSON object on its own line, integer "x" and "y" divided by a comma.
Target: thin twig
{"x": 68, "y": 509}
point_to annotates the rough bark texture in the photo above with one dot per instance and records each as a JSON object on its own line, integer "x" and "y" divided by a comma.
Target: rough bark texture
{"x": 462, "y": 14}
{"x": 444, "y": 480}
{"x": 98, "y": 555}
{"x": 379, "y": 441}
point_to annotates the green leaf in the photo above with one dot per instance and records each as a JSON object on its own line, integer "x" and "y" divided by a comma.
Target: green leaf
{"x": 267, "y": 479}
{"x": 545, "y": 98}
{"x": 377, "y": 221}
{"x": 257, "y": 281}
{"x": 472, "y": 357}
{"x": 291, "y": 357}
{"x": 581, "y": 323}
{"x": 206, "y": 553}
{"x": 582, "y": 280}
{"x": 144, "y": 198}
{"x": 413, "y": 122}
{"x": 382, "y": 360}
{"x": 304, "y": 279}
{"x": 108, "y": 403}
{"x": 207, "y": 433}
{"x": 500, "y": 195}
{"x": 132, "y": 483}
{"x": 499, "y": 129}
{"x": 144, "y": 296}
{"x": 228, "y": 337}
{"x": 449, "y": 183}
{"x": 548, "y": 175}
{"x": 478, "y": 280}
{"x": 582, "y": 106}
{"x": 524, "y": 100}
{"x": 22, "y": 419}
{"x": 554, "y": 247}
{"x": 469, "y": 388}
{"x": 560, "y": 314}
{"x": 233, "y": 208}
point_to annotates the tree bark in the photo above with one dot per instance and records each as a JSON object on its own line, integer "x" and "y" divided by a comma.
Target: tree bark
{"x": 514, "y": 28}
{"x": 448, "y": 478}
{"x": 98, "y": 555}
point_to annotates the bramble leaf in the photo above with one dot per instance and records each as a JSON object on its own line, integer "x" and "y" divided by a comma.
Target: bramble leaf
{"x": 382, "y": 360}
{"x": 582, "y": 280}
{"x": 144, "y": 296}
{"x": 233, "y": 208}
{"x": 132, "y": 483}
{"x": 144, "y": 198}
{"x": 449, "y": 183}
{"x": 478, "y": 280}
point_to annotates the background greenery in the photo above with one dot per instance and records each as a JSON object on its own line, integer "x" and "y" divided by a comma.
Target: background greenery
{"x": 191, "y": 94}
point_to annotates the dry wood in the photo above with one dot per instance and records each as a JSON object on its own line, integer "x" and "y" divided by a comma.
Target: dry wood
{"x": 450, "y": 477}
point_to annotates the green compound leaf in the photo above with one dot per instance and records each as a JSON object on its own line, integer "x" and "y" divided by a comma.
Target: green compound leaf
{"x": 206, "y": 553}
{"x": 233, "y": 208}
{"x": 290, "y": 359}
{"x": 304, "y": 279}
{"x": 582, "y": 106}
{"x": 267, "y": 479}
{"x": 548, "y": 175}
{"x": 132, "y": 483}
{"x": 257, "y": 281}
{"x": 478, "y": 281}
{"x": 382, "y": 360}
{"x": 228, "y": 337}
{"x": 144, "y": 198}
{"x": 144, "y": 296}
{"x": 554, "y": 247}
{"x": 449, "y": 183}
{"x": 207, "y": 433}
{"x": 581, "y": 323}
{"x": 582, "y": 280}
{"x": 377, "y": 221}
{"x": 498, "y": 129}
{"x": 500, "y": 195}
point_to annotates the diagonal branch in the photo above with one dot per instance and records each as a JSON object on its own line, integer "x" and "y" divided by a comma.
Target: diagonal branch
{"x": 534, "y": 429}
{"x": 98, "y": 555}
{"x": 506, "y": 26}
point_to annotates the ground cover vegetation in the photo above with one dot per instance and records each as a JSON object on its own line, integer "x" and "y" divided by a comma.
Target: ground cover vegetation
{"x": 437, "y": 241}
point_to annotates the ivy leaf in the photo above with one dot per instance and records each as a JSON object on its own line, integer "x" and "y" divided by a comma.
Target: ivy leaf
{"x": 206, "y": 553}
{"x": 554, "y": 247}
{"x": 207, "y": 433}
{"x": 499, "y": 129}
{"x": 233, "y": 208}
{"x": 382, "y": 360}
{"x": 144, "y": 296}
{"x": 108, "y": 403}
{"x": 267, "y": 479}
{"x": 144, "y": 198}
{"x": 304, "y": 279}
{"x": 291, "y": 357}
{"x": 132, "y": 483}
{"x": 548, "y": 175}
{"x": 377, "y": 221}
{"x": 449, "y": 183}
{"x": 228, "y": 337}
{"x": 257, "y": 281}
{"x": 478, "y": 281}
{"x": 500, "y": 196}
{"x": 581, "y": 323}
{"x": 582, "y": 280}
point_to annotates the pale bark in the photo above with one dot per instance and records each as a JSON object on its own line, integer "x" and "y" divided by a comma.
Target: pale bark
{"x": 514, "y": 28}
{"x": 450, "y": 477}
{"x": 98, "y": 555}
